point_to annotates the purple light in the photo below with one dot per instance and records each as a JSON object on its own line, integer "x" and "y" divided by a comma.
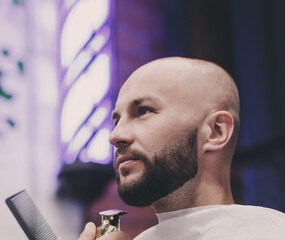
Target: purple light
{"x": 86, "y": 62}
{"x": 89, "y": 89}
{"x": 84, "y": 18}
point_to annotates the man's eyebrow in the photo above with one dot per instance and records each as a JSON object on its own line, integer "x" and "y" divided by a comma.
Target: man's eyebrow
{"x": 144, "y": 99}
{"x": 135, "y": 102}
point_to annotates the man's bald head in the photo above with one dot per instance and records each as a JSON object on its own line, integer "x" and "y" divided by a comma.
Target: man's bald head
{"x": 220, "y": 86}
{"x": 198, "y": 82}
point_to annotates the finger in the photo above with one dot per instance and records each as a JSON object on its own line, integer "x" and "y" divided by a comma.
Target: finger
{"x": 118, "y": 235}
{"x": 88, "y": 232}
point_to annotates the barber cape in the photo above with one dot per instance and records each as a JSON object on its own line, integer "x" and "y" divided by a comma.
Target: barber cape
{"x": 219, "y": 222}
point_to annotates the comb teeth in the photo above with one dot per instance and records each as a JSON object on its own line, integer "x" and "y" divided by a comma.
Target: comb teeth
{"x": 29, "y": 217}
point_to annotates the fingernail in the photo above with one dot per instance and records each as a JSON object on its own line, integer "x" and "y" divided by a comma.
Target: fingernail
{"x": 90, "y": 226}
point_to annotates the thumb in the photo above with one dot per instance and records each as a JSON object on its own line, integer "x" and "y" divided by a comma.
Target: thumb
{"x": 88, "y": 232}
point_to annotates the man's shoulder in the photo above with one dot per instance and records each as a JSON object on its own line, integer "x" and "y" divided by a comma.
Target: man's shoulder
{"x": 255, "y": 211}
{"x": 221, "y": 222}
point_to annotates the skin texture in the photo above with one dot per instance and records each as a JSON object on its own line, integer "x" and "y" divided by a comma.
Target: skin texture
{"x": 89, "y": 233}
{"x": 165, "y": 172}
{"x": 163, "y": 101}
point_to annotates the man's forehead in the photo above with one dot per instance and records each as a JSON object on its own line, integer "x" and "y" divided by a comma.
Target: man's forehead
{"x": 158, "y": 75}
{"x": 160, "y": 80}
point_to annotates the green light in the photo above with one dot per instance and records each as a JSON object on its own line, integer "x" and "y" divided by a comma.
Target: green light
{"x": 18, "y": 2}
{"x": 5, "y": 52}
{"x": 21, "y": 66}
{"x": 11, "y": 122}
{"x": 5, "y": 95}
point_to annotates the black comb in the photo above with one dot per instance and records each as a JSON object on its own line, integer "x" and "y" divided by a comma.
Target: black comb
{"x": 29, "y": 217}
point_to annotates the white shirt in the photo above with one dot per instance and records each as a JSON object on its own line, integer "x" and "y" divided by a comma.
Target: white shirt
{"x": 219, "y": 222}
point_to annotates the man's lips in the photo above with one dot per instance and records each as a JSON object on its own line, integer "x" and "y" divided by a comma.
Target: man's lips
{"x": 121, "y": 159}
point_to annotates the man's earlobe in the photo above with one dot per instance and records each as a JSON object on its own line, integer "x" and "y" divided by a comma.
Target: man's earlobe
{"x": 220, "y": 129}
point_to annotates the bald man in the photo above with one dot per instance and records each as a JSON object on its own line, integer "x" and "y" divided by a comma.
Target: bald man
{"x": 176, "y": 126}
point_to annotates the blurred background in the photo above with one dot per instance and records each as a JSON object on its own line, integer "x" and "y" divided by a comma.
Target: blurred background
{"x": 62, "y": 64}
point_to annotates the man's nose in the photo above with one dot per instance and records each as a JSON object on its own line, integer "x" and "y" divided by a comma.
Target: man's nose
{"x": 121, "y": 136}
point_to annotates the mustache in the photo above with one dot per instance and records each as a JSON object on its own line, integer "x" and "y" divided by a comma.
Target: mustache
{"x": 131, "y": 152}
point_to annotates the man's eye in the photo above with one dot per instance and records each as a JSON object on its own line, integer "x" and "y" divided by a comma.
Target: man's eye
{"x": 143, "y": 110}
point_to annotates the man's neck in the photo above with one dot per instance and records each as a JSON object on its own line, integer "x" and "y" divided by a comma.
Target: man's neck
{"x": 192, "y": 195}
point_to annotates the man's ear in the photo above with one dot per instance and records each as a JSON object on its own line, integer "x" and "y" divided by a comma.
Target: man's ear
{"x": 219, "y": 129}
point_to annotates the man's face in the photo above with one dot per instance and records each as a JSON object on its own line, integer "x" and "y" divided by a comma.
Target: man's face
{"x": 155, "y": 135}
{"x": 165, "y": 172}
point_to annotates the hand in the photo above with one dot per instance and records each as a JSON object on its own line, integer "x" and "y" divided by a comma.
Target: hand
{"x": 119, "y": 235}
{"x": 89, "y": 233}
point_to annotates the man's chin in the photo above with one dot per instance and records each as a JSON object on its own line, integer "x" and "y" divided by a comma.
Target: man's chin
{"x": 134, "y": 192}
{"x": 129, "y": 179}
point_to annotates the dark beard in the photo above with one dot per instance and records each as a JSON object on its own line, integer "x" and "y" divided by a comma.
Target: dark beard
{"x": 167, "y": 171}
